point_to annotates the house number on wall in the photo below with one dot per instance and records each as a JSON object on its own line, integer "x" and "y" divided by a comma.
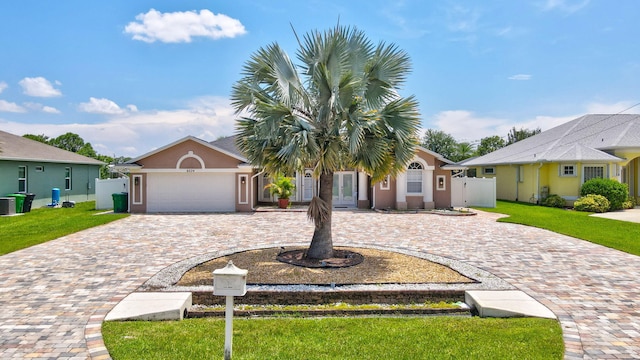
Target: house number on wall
{"x": 191, "y": 170}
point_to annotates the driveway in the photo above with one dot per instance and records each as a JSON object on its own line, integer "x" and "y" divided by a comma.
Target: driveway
{"x": 54, "y": 296}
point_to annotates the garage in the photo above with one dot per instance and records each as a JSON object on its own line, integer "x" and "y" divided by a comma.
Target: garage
{"x": 190, "y": 192}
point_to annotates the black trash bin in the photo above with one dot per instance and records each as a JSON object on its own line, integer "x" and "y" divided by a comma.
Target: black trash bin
{"x": 28, "y": 200}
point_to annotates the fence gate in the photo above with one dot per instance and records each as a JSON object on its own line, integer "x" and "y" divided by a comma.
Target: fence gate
{"x": 106, "y": 187}
{"x": 467, "y": 192}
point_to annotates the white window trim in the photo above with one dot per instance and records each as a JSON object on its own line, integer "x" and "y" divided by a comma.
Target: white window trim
{"x": 562, "y": 167}
{"x": 603, "y": 166}
{"x": 422, "y": 178}
{"x": 444, "y": 183}
{"x": 386, "y": 183}
{"x": 23, "y": 179}
{"x": 485, "y": 172}
{"x": 70, "y": 178}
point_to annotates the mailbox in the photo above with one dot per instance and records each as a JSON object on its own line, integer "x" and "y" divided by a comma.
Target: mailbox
{"x": 230, "y": 281}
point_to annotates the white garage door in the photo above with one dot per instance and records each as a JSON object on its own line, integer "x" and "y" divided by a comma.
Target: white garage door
{"x": 190, "y": 192}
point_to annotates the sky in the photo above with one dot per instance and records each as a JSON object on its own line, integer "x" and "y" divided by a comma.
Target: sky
{"x": 133, "y": 76}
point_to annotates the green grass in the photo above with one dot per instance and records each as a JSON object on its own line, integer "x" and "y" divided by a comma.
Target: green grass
{"x": 44, "y": 224}
{"x": 620, "y": 235}
{"x": 339, "y": 338}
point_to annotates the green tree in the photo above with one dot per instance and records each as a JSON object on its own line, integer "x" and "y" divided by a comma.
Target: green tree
{"x": 338, "y": 109}
{"x": 440, "y": 142}
{"x": 517, "y": 135}
{"x": 41, "y": 138}
{"x": 490, "y": 144}
{"x": 464, "y": 150}
{"x": 69, "y": 141}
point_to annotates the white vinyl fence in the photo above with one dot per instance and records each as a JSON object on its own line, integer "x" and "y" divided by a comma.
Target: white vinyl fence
{"x": 466, "y": 192}
{"x": 106, "y": 187}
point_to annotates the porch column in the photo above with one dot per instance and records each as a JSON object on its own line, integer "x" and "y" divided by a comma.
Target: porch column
{"x": 427, "y": 198}
{"x": 401, "y": 191}
{"x": 363, "y": 191}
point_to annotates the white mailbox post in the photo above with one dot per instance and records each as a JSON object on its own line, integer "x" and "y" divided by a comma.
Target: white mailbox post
{"x": 229, "y": 281}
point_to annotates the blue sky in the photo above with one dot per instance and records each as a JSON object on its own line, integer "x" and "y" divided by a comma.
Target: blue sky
{"x": 131, "y": 76}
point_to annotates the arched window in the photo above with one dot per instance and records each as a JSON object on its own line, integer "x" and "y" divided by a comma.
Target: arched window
{"x": 414, "y": 178}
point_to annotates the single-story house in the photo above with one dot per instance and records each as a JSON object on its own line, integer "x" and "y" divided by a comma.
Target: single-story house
{"x": 193, "y": 175}
{"x": 29, "y": 166}
{"x": 559, "y": 160}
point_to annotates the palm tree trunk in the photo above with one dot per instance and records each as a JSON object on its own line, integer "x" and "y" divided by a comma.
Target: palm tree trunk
{"x": 322, "y": 244}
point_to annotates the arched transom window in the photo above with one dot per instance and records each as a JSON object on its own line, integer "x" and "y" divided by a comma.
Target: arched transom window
{"x": 414, "y": 178}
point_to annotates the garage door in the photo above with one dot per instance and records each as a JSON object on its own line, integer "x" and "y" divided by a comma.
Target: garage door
{"x": 190, "y": 192}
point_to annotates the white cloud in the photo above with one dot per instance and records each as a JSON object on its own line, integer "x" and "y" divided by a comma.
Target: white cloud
{"x": 40, "y": 107}
{"x": 520, "y": 77}
{"x": 462, "y": 19}
{"x": 627, "y": 107}
{"x": 568, "y": 6}
{"x": 136, "y": 133}
{"x": 180, "y": 26}
{"x": 3, "y": 86}
{"x": 101, "y": 106}
{"x": 6, "y": 106}
{"x": 39, "y": 87}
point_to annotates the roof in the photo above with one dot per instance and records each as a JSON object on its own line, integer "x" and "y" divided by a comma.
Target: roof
{"x": 589, "y": 138}
{"x": 18, "y": 148}
{"x": 228, "y": 143}
{"x": 212, "y": 145}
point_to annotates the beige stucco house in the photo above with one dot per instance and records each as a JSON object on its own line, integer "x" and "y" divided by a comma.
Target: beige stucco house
{"x": 559, "y": 160}
{"x": 193, "y": 175}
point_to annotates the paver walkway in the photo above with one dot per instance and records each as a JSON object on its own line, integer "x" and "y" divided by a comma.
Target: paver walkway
{"x": 54, "y": 296}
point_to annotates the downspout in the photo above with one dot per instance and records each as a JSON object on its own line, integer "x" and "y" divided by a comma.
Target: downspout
{"x": 538, "y": 183}
{"x": 253, "y": 177}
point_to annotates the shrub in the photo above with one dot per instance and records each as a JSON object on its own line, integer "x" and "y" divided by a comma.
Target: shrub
{"x": 613, "y": 190}
{"x": 592, "y": 203}
{"x": 553, "y": 201}
{"x": 629, "y": 204}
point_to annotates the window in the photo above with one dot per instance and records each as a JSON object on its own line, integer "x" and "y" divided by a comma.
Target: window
{"x": 567, "y": 170}
{"x": 520, "y": 173}
{"x": 592, "y": 172}
{"x": 441, "y": 183}
{"x": 414, "y": 178}
{"x": 22, "y": 179}
{"x": 489, "y": 170}
{"x": 67, "y": 178}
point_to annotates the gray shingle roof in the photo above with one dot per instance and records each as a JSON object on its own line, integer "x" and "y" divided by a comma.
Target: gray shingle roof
{"x": 18, "y": 148}
{"x": 228, "y": 143}
{"x": 587, "y": 138}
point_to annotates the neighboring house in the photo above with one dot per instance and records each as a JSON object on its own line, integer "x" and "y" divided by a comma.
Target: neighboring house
{"x": 559, "y": 160}
{"x": 29, "y": 166}
{"x": 192, "y": 175}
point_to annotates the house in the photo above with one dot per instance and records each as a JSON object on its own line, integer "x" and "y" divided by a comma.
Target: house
{"x": 193, "y": 175}
{"x": 559, "y": 160}
{"x": 29, "y": 166}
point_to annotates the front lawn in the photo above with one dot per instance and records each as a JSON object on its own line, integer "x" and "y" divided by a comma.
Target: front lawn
{"x": 44, "y": 224}
{"x": 620, "y": 235}
{"x": 338, "y": 338}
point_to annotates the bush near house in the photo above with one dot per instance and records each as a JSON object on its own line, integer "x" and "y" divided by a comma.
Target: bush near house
{"x": 592, "y": 203}
{"x": 616, "y": 192}
{"x": 554, "y": 201}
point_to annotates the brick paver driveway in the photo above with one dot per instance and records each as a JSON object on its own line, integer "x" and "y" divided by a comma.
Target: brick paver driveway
{"x": 54, "y": 296}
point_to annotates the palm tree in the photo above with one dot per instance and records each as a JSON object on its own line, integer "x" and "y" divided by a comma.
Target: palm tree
{"x": 338, "y": 109}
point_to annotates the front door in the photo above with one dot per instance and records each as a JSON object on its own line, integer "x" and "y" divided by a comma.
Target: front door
{"x": 344, "y": 188}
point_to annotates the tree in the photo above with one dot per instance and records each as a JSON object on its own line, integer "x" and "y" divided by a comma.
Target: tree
{"x": 517, "y": 135}
{"x": 490, "y": 144}
{"x": 41, "y": 138}
{"x": 338, "y": 109}
{"x": 69, "y": 141}
{"x": 440, "y": 142}
{"x": 463, "y": 150}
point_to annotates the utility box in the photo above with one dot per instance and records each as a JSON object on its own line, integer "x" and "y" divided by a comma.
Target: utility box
{"x": 7, "y": 205}
{"x": 230, "y": 281}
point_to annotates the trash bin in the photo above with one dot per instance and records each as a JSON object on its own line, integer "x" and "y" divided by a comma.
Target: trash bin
{"x": 28, "y": 200}
{"x": 19, "y": 201}
{"x": 120, "y": 202}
